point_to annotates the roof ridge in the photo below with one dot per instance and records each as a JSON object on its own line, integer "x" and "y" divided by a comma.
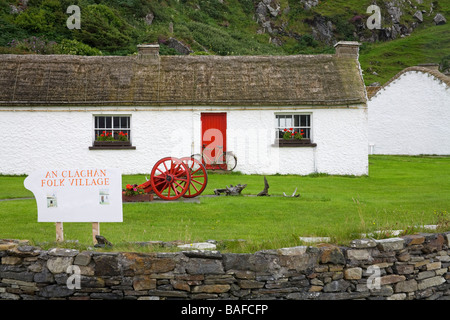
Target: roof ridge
{"x": 434, "y": 73}
{"x": 440, "y": 76}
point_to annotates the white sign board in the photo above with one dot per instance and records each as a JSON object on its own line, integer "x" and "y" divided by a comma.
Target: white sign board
{"x": 77, "y": 195}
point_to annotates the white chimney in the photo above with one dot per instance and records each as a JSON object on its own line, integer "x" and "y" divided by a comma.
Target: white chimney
{"x": 148, "y": 50}
{"x": 347, "y": 48}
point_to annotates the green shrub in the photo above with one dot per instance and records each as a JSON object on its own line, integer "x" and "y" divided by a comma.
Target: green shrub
{"x": 161, "y": 14}
{"x": 306, "y": 45}
{"x": 214, "y": 9}
{"x": 10, "y": 50}
{"x": 445, "y": 63}
{"x": 247, "y": 7}
{"x": 35, "y": 19}
{"x": 166, "y": 51}
{"x": 75, "y": 47}
{"x": 4, "y": 7}
{"x": 130, "y": 8}
{"x": 344, "y": 29}
{"x": 38, "y": 45}
{"x": 103, "y": 28}
{"x": 233, "y": 42}
{"x": 201, "y": 53}
{"x": 10, "y": 31}
{"x": 47, "y": 17}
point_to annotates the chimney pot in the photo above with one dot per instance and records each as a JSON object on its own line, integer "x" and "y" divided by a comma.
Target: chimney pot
{"x": 347, "y": 48}
{"x": 148, "y": 49}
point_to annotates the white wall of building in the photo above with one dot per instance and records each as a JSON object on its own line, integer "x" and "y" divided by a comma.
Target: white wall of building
{"x": 340, "y": 135}
{"x": 58, "y": 138}
{"x": 411, "y": 116}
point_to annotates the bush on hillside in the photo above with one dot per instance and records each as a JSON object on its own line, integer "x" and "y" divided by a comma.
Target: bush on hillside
{"x": 39, "y": 45}
{"x": 75, "y": 47}
{"x": 102, "y": 28}
{"x": 49, "y": 16}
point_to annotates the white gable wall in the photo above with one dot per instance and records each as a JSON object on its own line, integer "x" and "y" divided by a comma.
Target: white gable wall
{"x": 411, "y": 116}
{"x": 58, "y": 138}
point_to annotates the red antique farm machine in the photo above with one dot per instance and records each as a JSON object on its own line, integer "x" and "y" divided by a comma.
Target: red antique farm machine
{"x": 172, "y": 178}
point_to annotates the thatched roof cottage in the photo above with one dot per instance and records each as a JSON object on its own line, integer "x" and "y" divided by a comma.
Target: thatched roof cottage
{"x": 54, "y": 108}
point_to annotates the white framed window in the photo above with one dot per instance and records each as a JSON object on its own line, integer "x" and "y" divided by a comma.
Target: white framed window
{"x": 300, "y": 123}
{"x": 118, "y": 127}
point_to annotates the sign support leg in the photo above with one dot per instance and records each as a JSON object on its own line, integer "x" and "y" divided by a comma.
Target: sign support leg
{"x": 59, "y": 232}
{"x": 95, "y": 231}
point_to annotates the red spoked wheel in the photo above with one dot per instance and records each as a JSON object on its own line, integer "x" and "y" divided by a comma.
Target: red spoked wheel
{"x": 199, "y": 177}
{"x": 170, "y": 178}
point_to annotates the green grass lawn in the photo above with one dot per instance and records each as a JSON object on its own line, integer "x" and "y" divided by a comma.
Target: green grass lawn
{"x": 398, "y": 193}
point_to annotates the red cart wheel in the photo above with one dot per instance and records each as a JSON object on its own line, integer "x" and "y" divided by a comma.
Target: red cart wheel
{"x": 199, "y": 177}
{"x": 170, "y": 178}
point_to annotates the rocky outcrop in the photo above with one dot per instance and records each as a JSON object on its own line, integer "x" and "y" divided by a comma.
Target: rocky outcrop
{"x": 308, "y": 4}
{"x": 439, "y": 19}
{"x": 179, "y": 46}
{"x": 265, "y": 10}
{"x": 322, "y": 30}
{"x": 399, "y": 18}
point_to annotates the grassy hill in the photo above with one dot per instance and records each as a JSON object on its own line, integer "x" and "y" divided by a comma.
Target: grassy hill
{"x": 430, "y": 45}
{"x": 230, "y": 27}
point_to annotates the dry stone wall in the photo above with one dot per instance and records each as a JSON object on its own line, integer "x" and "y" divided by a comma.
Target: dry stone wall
{"x": 405, "y": 268}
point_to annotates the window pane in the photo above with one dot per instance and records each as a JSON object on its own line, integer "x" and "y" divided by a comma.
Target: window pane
{"x": 289, "y": 122}
{"x": 101, "y": 122}
{"x": 303, "y": 121}
{"x": 306, "y": 133}
{"x": 124, "y": 122}
{"x": 108, "y": 121}
{"x": 116, "y": 122}
{"x": 296, "y": 120}
{"x": 282, "y": 121}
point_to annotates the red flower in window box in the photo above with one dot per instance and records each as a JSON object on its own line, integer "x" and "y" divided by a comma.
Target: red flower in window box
{"x": 110, "y": 136}
{"x": 292, "y": 135}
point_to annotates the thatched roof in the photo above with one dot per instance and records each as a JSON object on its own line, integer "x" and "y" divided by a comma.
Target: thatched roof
{"x": 371, "y": 92}
{"x": 46, "y": 80}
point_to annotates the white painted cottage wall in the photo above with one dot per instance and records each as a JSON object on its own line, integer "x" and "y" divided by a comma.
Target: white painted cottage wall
{"x": 61, "y": 139}
{"x": 411, "y": 116}
{"x": 342, "y": 138}
{"x": 340, "y": 134}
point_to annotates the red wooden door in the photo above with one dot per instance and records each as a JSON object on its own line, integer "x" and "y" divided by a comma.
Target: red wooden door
{"x": 214, "y": 138}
